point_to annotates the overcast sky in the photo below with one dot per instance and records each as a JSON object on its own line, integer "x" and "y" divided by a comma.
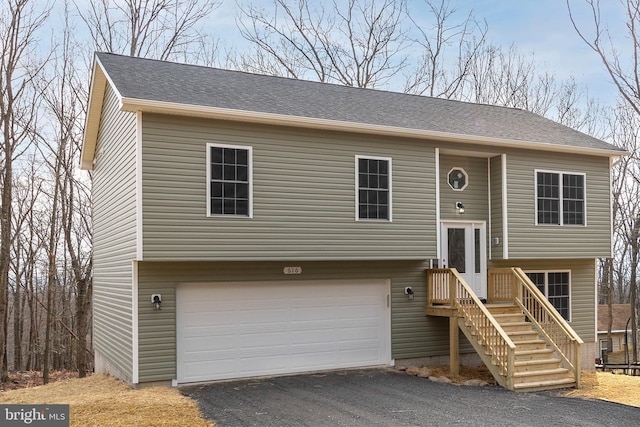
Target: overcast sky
{"x": 533, "y": 26}
{"x": 544, "y": 27}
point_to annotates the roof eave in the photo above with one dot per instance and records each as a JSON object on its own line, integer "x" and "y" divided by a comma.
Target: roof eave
{"x": 92, "y": 120}
{"x": 146, "y": 105}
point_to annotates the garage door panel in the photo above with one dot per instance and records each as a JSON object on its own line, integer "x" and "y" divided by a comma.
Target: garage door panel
{"x": 358, "y": 334}
{"x": 235, "y": 330}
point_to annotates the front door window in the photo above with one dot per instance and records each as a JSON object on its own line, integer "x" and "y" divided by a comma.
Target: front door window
{"x": 457, "y": 249}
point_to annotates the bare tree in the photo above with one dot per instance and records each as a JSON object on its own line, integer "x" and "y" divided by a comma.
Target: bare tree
{"x": 448, "y": 50}
{"x": 64, "y": 97}
{"x": 160, "y": 29}
{"x": 621, "y": 60}
{"x": 624, "y": 71}
{"x": 509, "y": 78}
{"x": 19, "y": 21}
{"x": 355, "y": 43}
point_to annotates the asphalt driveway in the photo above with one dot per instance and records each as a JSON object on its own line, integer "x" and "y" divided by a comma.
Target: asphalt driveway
{"x": 384, "y": 397}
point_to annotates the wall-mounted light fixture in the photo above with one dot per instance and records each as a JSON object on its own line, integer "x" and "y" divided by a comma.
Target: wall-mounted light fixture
{"x": 408, "y": 291}
{"x": 460, "y": 207}
{"x": 156, "y": 300}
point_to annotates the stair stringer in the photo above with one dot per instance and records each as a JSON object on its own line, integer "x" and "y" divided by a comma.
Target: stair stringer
{"x": 486, "y": 358}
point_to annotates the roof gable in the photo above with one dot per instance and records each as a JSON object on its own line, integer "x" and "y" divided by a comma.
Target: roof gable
{"x": 160, "y": 86}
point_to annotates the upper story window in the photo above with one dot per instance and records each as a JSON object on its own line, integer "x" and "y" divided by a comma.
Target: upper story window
{"x": 556, "y": 286}
{"x": 229, "y": 183}
{"x": 373, "y": 188}
{"x": 560, "y": 198}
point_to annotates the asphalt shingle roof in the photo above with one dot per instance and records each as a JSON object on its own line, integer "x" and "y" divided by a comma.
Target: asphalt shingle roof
{"x": 147, "y": 79}
{"x": 620, "y": 313}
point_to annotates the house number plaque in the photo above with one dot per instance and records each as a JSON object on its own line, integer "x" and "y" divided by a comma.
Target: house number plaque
{"x": 293, "y": 270}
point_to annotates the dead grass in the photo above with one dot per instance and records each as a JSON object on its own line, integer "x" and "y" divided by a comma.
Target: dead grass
{"x": 617, "y": 388}
{"x": 100, "y": 400}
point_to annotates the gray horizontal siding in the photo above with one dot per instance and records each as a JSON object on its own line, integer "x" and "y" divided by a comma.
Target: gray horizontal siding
{"x": 114, "y": 236}
{"x": 304, "y": 195}
{"x": 474, "y": 196}
{"x": 583, "y": 288}
{"x": 497, "y": 218}
{"x": 413, "y": 334}
{"x": 526, "y": 240}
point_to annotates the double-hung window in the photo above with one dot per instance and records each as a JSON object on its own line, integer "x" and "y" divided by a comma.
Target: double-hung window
{"x": 229, "y": 183}
{"x": 555, "y": 285}
{"x": 560, "y": 198}
{"x": 373, "y": 188}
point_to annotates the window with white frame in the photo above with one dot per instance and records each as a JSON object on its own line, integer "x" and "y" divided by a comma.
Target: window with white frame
{"x": 373, "y": 188}
{"x": 560, "y": 198}
{"x": 229, "y": 185}
{"x": 556, "y": 286}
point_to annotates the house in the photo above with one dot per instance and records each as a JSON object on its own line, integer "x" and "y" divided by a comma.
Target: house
{"x": 249, "y": 225}
{"x": 620, "y": 325}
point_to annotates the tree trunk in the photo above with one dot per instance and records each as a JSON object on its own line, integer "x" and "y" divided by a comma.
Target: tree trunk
{"x": 17, "y": 328}
{"x": 51, "y": 273}
{"x": 634, "y": 286}
{"x": 5, "y": 243}
{"x": 82, "y": 312}
{"x": 47, "y": 340}
{"x": 609, "y": 285}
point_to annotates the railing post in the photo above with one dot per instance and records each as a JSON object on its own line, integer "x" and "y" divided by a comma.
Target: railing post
{"x": 429, "y": 288}
{"x": 511, "y": 363}
{"x": 515, "y": 289}
{"x": 577, "y": 363}
{"x": 490, "y": 287}
{"x": 452, "y": 290}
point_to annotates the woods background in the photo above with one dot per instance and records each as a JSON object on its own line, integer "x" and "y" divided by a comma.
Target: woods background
{"x": 425, "y": 47}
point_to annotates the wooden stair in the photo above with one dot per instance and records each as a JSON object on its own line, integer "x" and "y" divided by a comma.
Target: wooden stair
{"x": 535, "y": 367}
{"x": 521, "y": 337}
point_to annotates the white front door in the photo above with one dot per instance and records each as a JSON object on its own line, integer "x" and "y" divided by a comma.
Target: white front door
{"x": 464, "y": 248}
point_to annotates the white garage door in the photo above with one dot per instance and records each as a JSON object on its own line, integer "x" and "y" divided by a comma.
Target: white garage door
{"x": 235, "y": 330}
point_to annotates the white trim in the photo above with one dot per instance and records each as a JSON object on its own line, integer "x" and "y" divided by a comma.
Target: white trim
{"x": 113, "y": 86}
{"x": 611, "y": 219}
{"x": 387, "y": 333}
{"x": 614, "y": 331}
{"x": 466, "y": 178}
{"x": 546, "y": 287}
{"x": 133, "y": 104}
{"x": 97, "y": 89}
{"x": 139, "y": 206}
{"x": 438, "y": 233}
{"x": 560, "y": 195}
{"x": 208, "y": 177}
{"x": 505, "y": 211}
{"x": 135, "y": 374}
{"x": 473, "y": 225}
{"x": 595, "y": 299}
{"x": 389, "y": 160}
{"x": 489, "y": 242}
